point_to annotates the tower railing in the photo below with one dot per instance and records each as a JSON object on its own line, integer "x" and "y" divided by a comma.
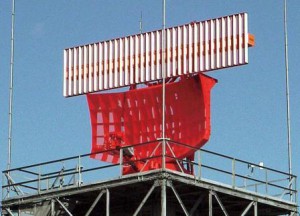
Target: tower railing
{"x": 206, "y": 166}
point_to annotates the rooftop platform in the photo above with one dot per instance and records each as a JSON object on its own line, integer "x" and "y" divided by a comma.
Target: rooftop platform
{"x": 221, "y": 185}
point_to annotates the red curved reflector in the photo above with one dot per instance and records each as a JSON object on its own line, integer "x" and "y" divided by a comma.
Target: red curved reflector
{"x": 133, "y": 117}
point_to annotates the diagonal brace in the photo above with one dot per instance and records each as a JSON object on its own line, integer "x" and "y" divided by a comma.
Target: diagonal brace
{"x": 94, "y": 203}
{"x": 155, "y": 184}
{"x": 64, "y": 207}
{"x": 247, "y": 208}
{"x": 178, "y": 198}
{"x": 197, "y": 203}
{"x": 220, "y": 203}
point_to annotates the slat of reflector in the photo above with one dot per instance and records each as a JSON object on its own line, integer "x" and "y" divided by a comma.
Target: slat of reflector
{"x": 100, "y": 66}
{"x": 191, "y": 48}
{"x": 245, "y": 23}
{"x": 174, "y": 51}
{"x": 66, "y": 73}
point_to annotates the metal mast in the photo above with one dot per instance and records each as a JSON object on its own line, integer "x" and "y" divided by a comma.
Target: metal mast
{"x": 11, "y": 85}
{"x": 163, "y": 182}
{"x": 287, "y": 90}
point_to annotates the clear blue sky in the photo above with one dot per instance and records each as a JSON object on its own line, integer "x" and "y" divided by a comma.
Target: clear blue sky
{"x": 248, "y": 103}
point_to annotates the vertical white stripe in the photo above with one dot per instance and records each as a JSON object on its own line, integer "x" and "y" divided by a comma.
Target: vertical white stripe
{"x": 158, "y": 65}
{"x": 96, "y": 66}
{"x": 105, "y": 65}
{"x": 185, "y": 35}
{"x": 126, "y": 60}
{"x": 206, "y": 40}
{"x": 195, "y": 56}
{"x": 246, "y": 37}
{"x": 66, "y": 73}
{"x": 212, "y": 44}
{"x": 201, "y": 41}
{"x": 101, "y": 65}
{"x": 179, "y": 50}
{"x": 131, "y": 68}
{"x": 121, "y": 62}
{"x": 85, "y": 69}
{"x": 75, "y": 80}
{"x": 111, "y": 54}
{"x": 174, "y": 48}
{"x": 81, "y": 70}
{"x": 115, "y": 68}
{"x": 153, "y": 56}
{"x": 70, "y": 92}
{"x": 223, "y": 36}
{"x": 168, "y": 53}
{"x": 240, "y": 40}
{"x": 218, "y": 21}
{"x": 137, "y": 59}
{"x": 91, "y": 69}
{"x": 142, "y": 58}
{"x": 147, "y": 56}
{"x": 190, "y": 46}
{"x": 234, "y": 34}
{"x": 229, "y": 35}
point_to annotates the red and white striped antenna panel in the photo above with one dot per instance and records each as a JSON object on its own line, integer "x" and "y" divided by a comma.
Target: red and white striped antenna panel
{"x": 191, "y": 48}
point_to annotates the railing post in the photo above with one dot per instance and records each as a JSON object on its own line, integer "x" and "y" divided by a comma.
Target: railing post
{"x": 121, "y": 162}
{"x": 266, "y": 181}
{"x": 233, "y": 173}
{"x": 79, "y": 171}
{"x": 199, "y": 164}
{"x": 39, "y": 181}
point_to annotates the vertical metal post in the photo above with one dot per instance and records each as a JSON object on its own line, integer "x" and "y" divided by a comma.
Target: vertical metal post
{"x": 266, "y": 181}
{"x": 199, "y": 164}
{"x": 210, "y": 206}
{"x": 11, "y": 89}
{"x": 163, "y": 86}
{"x": 255, "y": 208}
{"x": 121, "y": 162}
{"x": 233, "y": 173}
{"x": 107, "y": 202}
{"x": 141, "y": 23}
{"x": 39, "y": 181}
{"x": 163, "y": 198}
{"x": 287, "y": 92}
{"x": 52, "y": 207}
{"x": 79, "y": 171}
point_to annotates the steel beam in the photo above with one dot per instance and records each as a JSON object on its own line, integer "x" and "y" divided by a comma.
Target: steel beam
{"x": 179, "y": 199}
{"x": 64, "y": 207}
{"x": 220, "y": 203}
{"x": 94, "y": 203}
{"x": 145, "y": 198}
{"x": 107, "y": 202}
{"x": 9, "y": 211}
{"x": 197, "y": 203}
{"x": 255, "y": 208}
{"x": 210, "y": 205}
{"x": 163, "y": 197}
{"x": 247, "y": 208}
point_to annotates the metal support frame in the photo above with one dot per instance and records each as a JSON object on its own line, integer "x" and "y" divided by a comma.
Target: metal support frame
{"x": 107, "y": 202}
{"x": 163, "y": 197}
{"x": 197, "y": 203}
{"x": 176, "y": 159}
{"x": 11, "y": 181}
{"x": 9, "y": 212}
{"x": 64, "y": 207}
{"x": 218, "y": 200}
{"x": 145, "y": 198}
{"x": 248, "y": 208}
{"x": 94, "y": 203}
{"x": 153, "y": 152}
{"x": 178, "y": 198}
